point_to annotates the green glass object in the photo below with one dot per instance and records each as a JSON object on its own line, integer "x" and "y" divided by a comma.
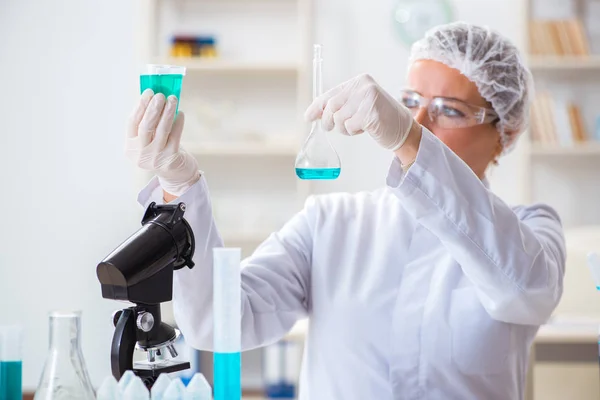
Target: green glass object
{"x": 165, "y": 79}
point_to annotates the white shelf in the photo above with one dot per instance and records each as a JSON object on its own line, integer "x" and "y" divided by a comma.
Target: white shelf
{"x": 219, "y": 65}
{"x": 242, "y": 148}
{"x": 564, "y": 63}
{"x": 590, "y": 148}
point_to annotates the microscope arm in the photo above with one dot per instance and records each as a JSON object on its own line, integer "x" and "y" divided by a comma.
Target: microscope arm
{"x": 123, "y": 343}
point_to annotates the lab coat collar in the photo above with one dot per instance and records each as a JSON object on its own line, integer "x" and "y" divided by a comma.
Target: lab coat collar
{"x": 486, "y": 182}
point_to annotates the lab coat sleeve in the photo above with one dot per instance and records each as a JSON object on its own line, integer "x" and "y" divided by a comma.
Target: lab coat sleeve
{"x": 515, "y": 258}
{"x": 274, "y": 280}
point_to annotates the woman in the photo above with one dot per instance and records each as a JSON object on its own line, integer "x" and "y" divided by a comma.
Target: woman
{"x": 429, "y": 288}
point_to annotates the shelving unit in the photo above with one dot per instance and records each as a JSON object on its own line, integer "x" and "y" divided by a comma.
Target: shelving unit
{"x": 563, "y": 175}
{"x": 578, "y": 149}
{"x": 263, "y": 62}
{"x": 573, "y": 63}
{"x": 224, "y": 66}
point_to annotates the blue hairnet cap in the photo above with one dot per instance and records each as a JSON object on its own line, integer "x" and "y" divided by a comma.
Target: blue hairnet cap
{"x": 489, "y": 60}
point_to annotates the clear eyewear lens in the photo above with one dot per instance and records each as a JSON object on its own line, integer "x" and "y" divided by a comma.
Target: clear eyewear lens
{"x": 411, "y": 100}
{"x": 456, "y": 114}
{"x": 447, "y": 113}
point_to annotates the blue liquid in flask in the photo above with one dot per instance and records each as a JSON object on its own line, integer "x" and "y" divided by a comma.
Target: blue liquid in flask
{"x": 318, "y": 173}
{"x": 11, "y": 380}
{"x": 227, "y": 379}
{"x": 317, "y": 160}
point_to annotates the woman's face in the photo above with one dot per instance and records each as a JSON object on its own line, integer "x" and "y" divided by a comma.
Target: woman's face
{"x": 477, "y": 145}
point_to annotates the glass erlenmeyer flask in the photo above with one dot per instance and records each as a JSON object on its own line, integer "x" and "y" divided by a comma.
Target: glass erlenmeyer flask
{"x": 317, "y": 158}
{"x": 65, "y": 375}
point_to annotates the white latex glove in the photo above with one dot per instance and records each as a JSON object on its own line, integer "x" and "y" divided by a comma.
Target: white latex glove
{"x": 153, "y": 143}
{"x": 361, "y": 105}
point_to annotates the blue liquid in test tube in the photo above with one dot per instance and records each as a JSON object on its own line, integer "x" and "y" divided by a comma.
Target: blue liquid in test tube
{"x": 11, "y": 369}
{"x": 227, "y": 323}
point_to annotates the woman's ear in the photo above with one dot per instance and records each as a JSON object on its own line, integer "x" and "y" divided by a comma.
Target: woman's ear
{"x": 497, "y": 151}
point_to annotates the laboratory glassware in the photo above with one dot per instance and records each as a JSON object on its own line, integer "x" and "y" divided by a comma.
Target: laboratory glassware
{"x": 165, "y": 79}
{"x": 227, "y": 323}
{"x": 281, "y": 362}
{"x": 11, "y": 368}
{"x": 65, "y": 375}
{"x": 317, "y": 158}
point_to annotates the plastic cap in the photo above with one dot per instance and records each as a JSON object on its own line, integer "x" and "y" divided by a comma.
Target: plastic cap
{"x": 136, "y": 390}
{"x": 125, "y": 379}
{"x": 160, "y": 387}
{"x": 175, "y": 391}
{"x": 489, "y": 60}
{"x": 109, "y": 389}
{"x": 198, "y": 388}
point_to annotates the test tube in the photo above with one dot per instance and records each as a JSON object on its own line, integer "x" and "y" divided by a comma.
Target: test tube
{"x": 11, "y": 369}
{"x": 227, "y": 323}
{"x": 281, "y": 362}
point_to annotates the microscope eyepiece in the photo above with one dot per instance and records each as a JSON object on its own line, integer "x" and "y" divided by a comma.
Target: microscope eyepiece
{"x": 140, "y": 270}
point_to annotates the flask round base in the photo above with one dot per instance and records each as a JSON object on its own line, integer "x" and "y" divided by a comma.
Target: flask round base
{"x": 318, "y": 173}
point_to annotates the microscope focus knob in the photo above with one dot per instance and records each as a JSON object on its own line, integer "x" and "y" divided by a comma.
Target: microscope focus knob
{"x": 145, "y": 321}
{"x": 115, "y": 317}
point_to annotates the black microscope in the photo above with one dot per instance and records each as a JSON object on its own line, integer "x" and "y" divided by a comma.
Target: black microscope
{"x": 140, "y": 271}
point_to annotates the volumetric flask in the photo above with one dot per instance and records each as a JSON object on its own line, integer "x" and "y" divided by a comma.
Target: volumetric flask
{"x": 317, "y": 159}
{"x": 65, "y": 375}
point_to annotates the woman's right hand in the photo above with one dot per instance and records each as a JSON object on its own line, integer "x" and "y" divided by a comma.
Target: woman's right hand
{"x": 153, "y": 143}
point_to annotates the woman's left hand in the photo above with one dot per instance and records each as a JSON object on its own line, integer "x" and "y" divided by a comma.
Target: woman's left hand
{"x": 361, "y": 105}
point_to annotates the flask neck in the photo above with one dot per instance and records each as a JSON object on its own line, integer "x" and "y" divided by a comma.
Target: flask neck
{"x": 317, "y": 73}
{"x": 64, "y": 331}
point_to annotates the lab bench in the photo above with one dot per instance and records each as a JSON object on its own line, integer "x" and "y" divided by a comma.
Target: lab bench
{"x": 564, "y": 340}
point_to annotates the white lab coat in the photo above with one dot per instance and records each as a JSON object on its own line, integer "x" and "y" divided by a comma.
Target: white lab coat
{"x": 429, "y": 288}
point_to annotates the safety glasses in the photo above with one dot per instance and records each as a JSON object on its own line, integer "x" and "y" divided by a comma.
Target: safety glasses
{"x": 448, "y": 113}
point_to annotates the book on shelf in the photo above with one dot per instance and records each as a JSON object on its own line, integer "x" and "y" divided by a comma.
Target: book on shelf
{"x": 556, "y": 122}
{"x": 558, "y": 38}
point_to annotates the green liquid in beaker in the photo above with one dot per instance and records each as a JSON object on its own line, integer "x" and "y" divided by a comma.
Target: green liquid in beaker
{"x": 318, "y": 173}
{"x": 169, "y": 84}
{"x": 11, "y": 380}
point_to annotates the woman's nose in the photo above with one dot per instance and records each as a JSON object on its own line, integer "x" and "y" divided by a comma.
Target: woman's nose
{"x": 422, "y": 117}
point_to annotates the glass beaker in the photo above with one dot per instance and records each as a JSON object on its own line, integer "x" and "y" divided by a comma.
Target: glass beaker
{"x": 317, "y": 158}
{"x": 165, "y": 79}
{"x": 65, "y": 375}
{"x": 11, "y": 369}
